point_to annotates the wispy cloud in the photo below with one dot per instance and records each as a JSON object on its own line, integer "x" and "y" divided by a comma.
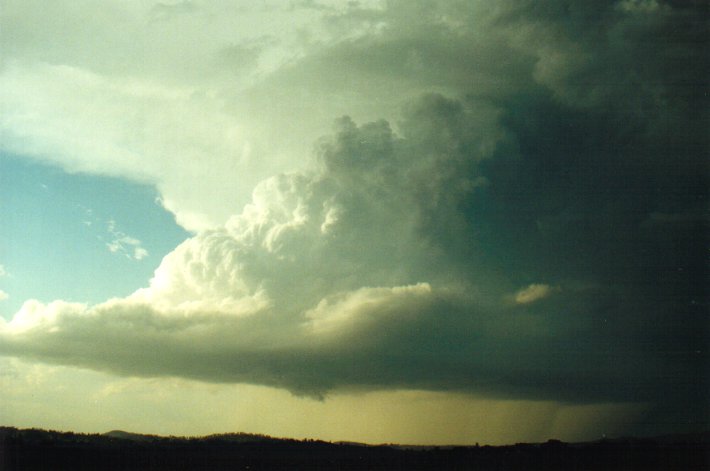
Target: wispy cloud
{"x": 534, "y": 292}
{"x": 123, "y": 243}
{"x": 118, "y": 241}
{"x": 3, "y": 294}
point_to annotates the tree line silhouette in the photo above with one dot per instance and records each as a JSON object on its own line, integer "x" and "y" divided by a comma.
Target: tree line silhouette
{"x": 34, "y": 449}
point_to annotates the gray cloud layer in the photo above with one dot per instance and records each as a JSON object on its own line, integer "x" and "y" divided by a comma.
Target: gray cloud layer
{"x": 534, "y": 224}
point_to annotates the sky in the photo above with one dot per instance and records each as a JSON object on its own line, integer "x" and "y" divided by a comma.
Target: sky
{"x": 386, "y": 221}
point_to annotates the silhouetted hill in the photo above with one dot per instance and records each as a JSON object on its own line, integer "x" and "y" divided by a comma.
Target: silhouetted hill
{"x": 137, "y": 437}
{"x": 33, "y": 449}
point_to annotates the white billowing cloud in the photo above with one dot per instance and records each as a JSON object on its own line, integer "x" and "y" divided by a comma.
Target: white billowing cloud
{"x": 533, "y": 292}
{"x": 357, "y": 222}
{"x": 3, "y": 272}
{"x": 34, "y": 316}
{"x": 203, "y": 274}
{"x": 347, "y": 313}
{"x": 274, "y": 289}
{"x": 380, "y": 299}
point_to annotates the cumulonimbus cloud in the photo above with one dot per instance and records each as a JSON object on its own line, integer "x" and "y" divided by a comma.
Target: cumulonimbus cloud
{"x": 343, "y": 278}
{"x": 393, "y": 262}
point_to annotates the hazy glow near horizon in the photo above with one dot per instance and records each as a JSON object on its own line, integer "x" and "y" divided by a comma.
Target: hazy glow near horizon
{"x": 439, "y": 222}
{"x": 171, "y": 406}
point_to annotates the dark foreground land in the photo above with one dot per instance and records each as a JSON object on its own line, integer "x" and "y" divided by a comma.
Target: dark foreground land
{"x": 48, "y": 450}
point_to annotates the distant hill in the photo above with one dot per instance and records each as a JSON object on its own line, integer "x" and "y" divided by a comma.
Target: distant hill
{"x": 120, "y": 434}
{"x": 35, "y": 450}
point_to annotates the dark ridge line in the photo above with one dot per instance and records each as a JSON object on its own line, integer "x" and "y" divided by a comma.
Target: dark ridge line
{"x": 246, "y": 437}
{"x": 39, "y": 450}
